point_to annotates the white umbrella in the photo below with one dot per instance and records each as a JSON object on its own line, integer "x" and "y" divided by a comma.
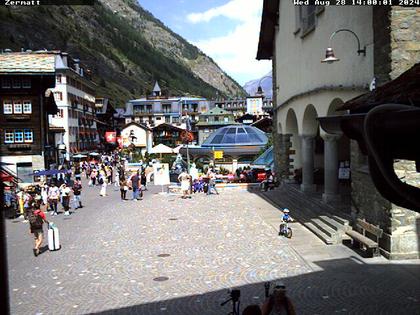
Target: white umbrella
{"x": 161, "y": 149}
{"x": 94, "y": 154}
{"x": 79, "y": 156}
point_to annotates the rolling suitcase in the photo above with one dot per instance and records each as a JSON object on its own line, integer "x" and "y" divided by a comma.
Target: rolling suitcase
{"x": 53, "y": 238}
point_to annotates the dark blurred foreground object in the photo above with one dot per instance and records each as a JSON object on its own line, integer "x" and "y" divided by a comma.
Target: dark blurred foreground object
{"x": 386, "y": 125}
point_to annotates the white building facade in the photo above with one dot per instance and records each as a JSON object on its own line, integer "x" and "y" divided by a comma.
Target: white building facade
{"x": 75, "y": 97}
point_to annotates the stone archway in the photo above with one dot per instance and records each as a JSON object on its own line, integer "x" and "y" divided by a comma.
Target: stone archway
{"x": 311, "y": 142}
{"x": 310, "y": 123}
{"x": 292, "y": 130}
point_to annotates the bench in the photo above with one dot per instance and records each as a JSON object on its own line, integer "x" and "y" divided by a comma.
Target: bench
{"x": 361, "y": 238}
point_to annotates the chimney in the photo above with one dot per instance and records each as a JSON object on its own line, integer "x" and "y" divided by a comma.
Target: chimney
{"x": 64, "y": 58}
{"x": 77, "y": 65}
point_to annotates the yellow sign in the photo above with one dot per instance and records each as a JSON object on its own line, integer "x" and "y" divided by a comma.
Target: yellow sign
{"x": 218, "y": 154}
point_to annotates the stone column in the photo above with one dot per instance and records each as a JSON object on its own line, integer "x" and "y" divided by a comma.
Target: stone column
{"x": 330, "y": 168}
{"x": 234, "y": 164}
{"x": 308, "y": 163}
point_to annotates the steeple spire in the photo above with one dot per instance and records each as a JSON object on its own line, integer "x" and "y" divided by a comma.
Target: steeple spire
{"x": 156, "y": 89}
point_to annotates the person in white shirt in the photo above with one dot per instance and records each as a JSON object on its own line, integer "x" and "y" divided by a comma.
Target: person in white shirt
{"x": 65, "y": 195}
{"x": 53, "y": 195}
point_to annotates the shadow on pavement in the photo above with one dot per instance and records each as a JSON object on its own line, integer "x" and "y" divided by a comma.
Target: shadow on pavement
{"x": 340, "y": 286}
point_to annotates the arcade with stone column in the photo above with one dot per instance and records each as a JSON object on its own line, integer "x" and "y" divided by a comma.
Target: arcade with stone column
{"x": 307, "y": 155}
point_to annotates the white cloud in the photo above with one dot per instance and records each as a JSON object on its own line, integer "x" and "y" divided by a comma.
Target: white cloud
{"x": 240, "y": 10}
{"x": 235, "y": 51}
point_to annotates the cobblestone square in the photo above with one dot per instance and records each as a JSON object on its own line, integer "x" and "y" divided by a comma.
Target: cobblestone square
{"x": 166, "y": 255}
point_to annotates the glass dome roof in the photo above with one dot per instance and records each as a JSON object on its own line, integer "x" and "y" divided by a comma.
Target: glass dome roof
{"x": 236, "y": 135}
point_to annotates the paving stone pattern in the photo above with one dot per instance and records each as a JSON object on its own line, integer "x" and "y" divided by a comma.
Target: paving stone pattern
{"x": 165, "y": 255}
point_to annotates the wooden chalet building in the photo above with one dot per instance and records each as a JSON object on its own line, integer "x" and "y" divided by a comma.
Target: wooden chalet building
{"x": 26, "y": 101}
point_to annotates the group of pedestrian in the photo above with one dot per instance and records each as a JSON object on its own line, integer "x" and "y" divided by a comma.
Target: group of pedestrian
{"x": 203, "y": 184}
{"x": 136, "y": 182}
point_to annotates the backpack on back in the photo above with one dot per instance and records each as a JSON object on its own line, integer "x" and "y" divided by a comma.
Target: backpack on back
{"x": 35, "y": 221}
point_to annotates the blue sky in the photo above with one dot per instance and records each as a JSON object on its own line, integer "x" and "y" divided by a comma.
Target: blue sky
{"x": 226, "y": 30}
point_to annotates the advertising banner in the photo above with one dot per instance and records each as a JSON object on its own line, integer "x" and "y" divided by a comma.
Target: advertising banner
{"x": 161, "y": 174}
{"x": 218, "y": 154}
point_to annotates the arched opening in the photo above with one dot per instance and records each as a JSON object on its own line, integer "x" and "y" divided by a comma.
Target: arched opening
{"x": 293, "y": 131}
{"x": 342, "y": 156}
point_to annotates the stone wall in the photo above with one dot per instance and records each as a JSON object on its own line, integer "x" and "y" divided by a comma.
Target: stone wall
{"x": 282, "y": 146}
{"x": 405, "y": 39}
{"x": 397, "y": 48}
{"x": 382, "y": 44}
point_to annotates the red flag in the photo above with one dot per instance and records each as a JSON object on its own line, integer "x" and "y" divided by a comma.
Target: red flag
{"x": 111, "y": 136}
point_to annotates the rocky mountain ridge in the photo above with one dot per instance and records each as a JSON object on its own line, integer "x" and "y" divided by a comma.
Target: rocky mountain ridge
{"x": 125, "y": 46}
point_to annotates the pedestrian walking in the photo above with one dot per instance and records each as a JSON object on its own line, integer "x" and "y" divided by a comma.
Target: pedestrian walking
{"x": 108, "y": 172}
{"x": 123, "y": 188}
{"x": 117, "y": 178}
{"x": 44, "y": 197}
{"x": 185, "y": 179}
{"x": 77, "y": 194}
{"x": 212, "y": 182}
{"x": 21, "y": 201}
{"x": 103, "y": 182}
{"x": 135, "y": 185}
{"x": 93, "y": 175}
{"x": 77, "y": 171}
{"x": 36, "y": 221}
{"x": 53, "y": 195}
{"x": 65, "y": 198}
{"x": 143, "y": 182}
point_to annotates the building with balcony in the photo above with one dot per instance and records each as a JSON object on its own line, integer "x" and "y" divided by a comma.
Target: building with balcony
{"x": 26, "y": 79}
{"x": 254, "y": 105}
{"x": 157, "y": 109}
{"x": 167, "y": 134}
{"x": 75, "y": 97}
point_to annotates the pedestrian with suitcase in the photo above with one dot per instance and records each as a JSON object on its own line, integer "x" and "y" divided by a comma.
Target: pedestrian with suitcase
{"x": 36, "y": 219}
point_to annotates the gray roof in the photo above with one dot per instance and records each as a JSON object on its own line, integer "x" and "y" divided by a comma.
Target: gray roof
{"x": 128, "y": 109}
{"x": 238, "y": 135}
{"x": 156, "y": 88}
